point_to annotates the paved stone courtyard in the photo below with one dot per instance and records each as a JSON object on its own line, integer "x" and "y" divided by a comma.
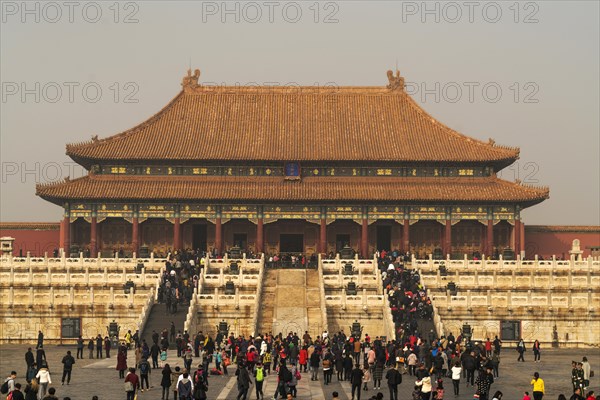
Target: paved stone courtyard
{"x": 99, "y": 377}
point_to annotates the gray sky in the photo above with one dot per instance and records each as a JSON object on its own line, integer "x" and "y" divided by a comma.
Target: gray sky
{"x": 456, "y": 58}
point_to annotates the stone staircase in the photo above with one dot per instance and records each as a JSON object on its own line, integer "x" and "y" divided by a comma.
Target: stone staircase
{"x": 159, "y": 320}
{"x": 291, "y": 302}
{"x": 266, "y": 309}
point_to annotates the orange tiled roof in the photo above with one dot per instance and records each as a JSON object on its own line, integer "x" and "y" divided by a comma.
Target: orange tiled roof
{"x": 310, "y": 189}
{"x": 293, "y": 124}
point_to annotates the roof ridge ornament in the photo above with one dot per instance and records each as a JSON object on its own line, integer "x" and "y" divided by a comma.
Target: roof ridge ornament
{"x": 396, "y": 82}
{"x": 491, "y": 142}
{"x": 190, "y": 81}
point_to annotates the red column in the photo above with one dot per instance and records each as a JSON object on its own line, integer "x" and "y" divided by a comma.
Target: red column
{"x": 448, "y": 238}
{"x": 405, "y": 238}
{"x": 93, "y": 237}
{"x": 218, "y": 235}
{"x": 135, "y": 235}
{"x": 364, "y": 239}
{"x": 259, "y": 236}
{"x": 67, "y": 236}
{"x": 323, "y": 237}
{"x": 61, "y": 235}
{"x": 517, "y": 229}
{"x": 177, "y": 234}
{"x": 522, "y": 237}
{"x": 490, "y": 238}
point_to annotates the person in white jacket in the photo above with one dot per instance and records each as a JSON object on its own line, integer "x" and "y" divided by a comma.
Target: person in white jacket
{"x": 44, "y": 379}
{"x": 425, "y": 384}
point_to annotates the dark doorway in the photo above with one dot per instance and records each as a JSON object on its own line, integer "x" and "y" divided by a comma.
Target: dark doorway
{"x": 384, "y": 238}
{"x": 240, "y": 240}
{"x": 199, "y": 237}
{"x": 291, "y": 243}
{"x": 341, "y": 241}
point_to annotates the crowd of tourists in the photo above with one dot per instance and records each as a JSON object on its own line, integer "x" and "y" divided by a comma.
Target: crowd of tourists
{"x": 416, "y": 355}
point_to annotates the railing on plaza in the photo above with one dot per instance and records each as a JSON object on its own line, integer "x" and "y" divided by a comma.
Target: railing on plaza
{"x": 324, "y": 319}
{"x": 259, "y": 290}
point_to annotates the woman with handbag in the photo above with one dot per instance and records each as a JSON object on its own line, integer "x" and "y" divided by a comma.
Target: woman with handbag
{"x": 132, "y": 384}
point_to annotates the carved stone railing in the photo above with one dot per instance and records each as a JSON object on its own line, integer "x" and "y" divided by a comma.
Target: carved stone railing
{"x": 324, "y": 319}
{"x": 259, "y": 291}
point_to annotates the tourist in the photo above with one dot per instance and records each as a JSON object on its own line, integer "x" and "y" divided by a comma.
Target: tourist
{"x": 536, "y": 351}
{"x": 31, "y": 390}
{"x": 377, "y": 374}
{"x": 31, "y": 372}
{"x": 40, "y": 340}
{"x": 355, "y": 380}
{"x": 315, "y": 361}
{"x": 175, "y": 375}
{"x": 327, "y": 369}
{"x": 107, "y": 346}
{"x": 132, "y": 384}
{"x": 497, "y": 345}
{"x": 521, "y": 350}
{"x": 577, "y": 394}
{"x": 590, "y": 396}
{"x": 44, "y": 379}
{"x": 456, "y": 370}
{"x": 394, "y": 378}
{"x": 50, "y": 395}
{"x": 68, "y": 362}
{"x": 425, "y": 385}
{"x": 80, "y": 346}
{"x": 580, "y": 376}
{"x": 439, "y": 390}
{"x": 562, "y": 397}
{"x": 538, "y": 386}
{"x": 99, "y": 344}
{"x": 470, "y": 365}
{"x": 526, "y": 396}
{"x": 497, "y": 395}
{"x": 243, "y": 381}
{"x": 366, "y": 377}
{"x": 163, "y": 357}
{"x": 335, "y": 395}
{"x": 165, "y": 382}
{"x": 185, "y": 387}
{"x": 259, "y": 378}
{"x": 40, "y": 357}
{"x": 145, "y": 370}
{"x": 585, "y": 366}
{"x": 347, "y": 366}
{"x": 294, "y": 381}
{"x": 154, "y": 353}
{"x": 484, "y": 383}
{"x": 90, "y": 347}
{"x": 9, "y": 383}
{"x": 29, "y": 358}
{"x": 121, "y": 361}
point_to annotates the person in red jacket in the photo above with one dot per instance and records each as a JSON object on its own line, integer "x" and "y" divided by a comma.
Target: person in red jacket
{"x": 303, "y": 358}
{"x": 135, "y": 384}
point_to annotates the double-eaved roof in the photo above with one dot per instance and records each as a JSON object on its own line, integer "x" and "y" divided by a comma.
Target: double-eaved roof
{"x": 321, "y": 125}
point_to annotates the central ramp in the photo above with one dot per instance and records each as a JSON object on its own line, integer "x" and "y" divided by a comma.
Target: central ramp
{"x": 291, "y": 303}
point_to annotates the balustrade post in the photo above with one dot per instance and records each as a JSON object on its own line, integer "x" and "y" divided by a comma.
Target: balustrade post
{"x": 130, "y": 297}
{"x": 63, "y": 259}
{"x": 531, "y": 278}
{"x": 51, "y": 305}
{"x": 476, "y": 277}
{"x": 112, "y": 297}
{"x": 344, "y": 299}
{"x": 12, "y": 275}
{"x": 28, "y": 259}
{"x": 49, "y": 279}
{"x": 124, "y": 275}
{"x": 105, "y": 275}
{"x": 144, "y": 276}
{"x": 469, "y": 299}
{"x": 71, "y": 297}
{"x": 31, "y": 298}
{"x": 550, "y": 304}
{"x": 241, "y": 277}
{"x": 91, "y": 296}
{"x": 216, "y": 299}
{"x": 11, "y": 296}
{"x": 364, "y": 299}
{"x": 68, "y": 274}
{"x": 221, "y": 276}
{"x": 81, "y": 258}
{"x": 359, "y": 277}
{"x": 45, "y": 258}
{"x": 237, "y": 298}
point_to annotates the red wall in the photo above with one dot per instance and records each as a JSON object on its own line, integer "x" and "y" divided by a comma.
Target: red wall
{"x": 557, "y": 240}
{"x": 545, "y": 241}
{"x": 36, "y": 238}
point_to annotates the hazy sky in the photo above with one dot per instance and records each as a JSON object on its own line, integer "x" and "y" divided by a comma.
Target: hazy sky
{"x": 525, "y": 74}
